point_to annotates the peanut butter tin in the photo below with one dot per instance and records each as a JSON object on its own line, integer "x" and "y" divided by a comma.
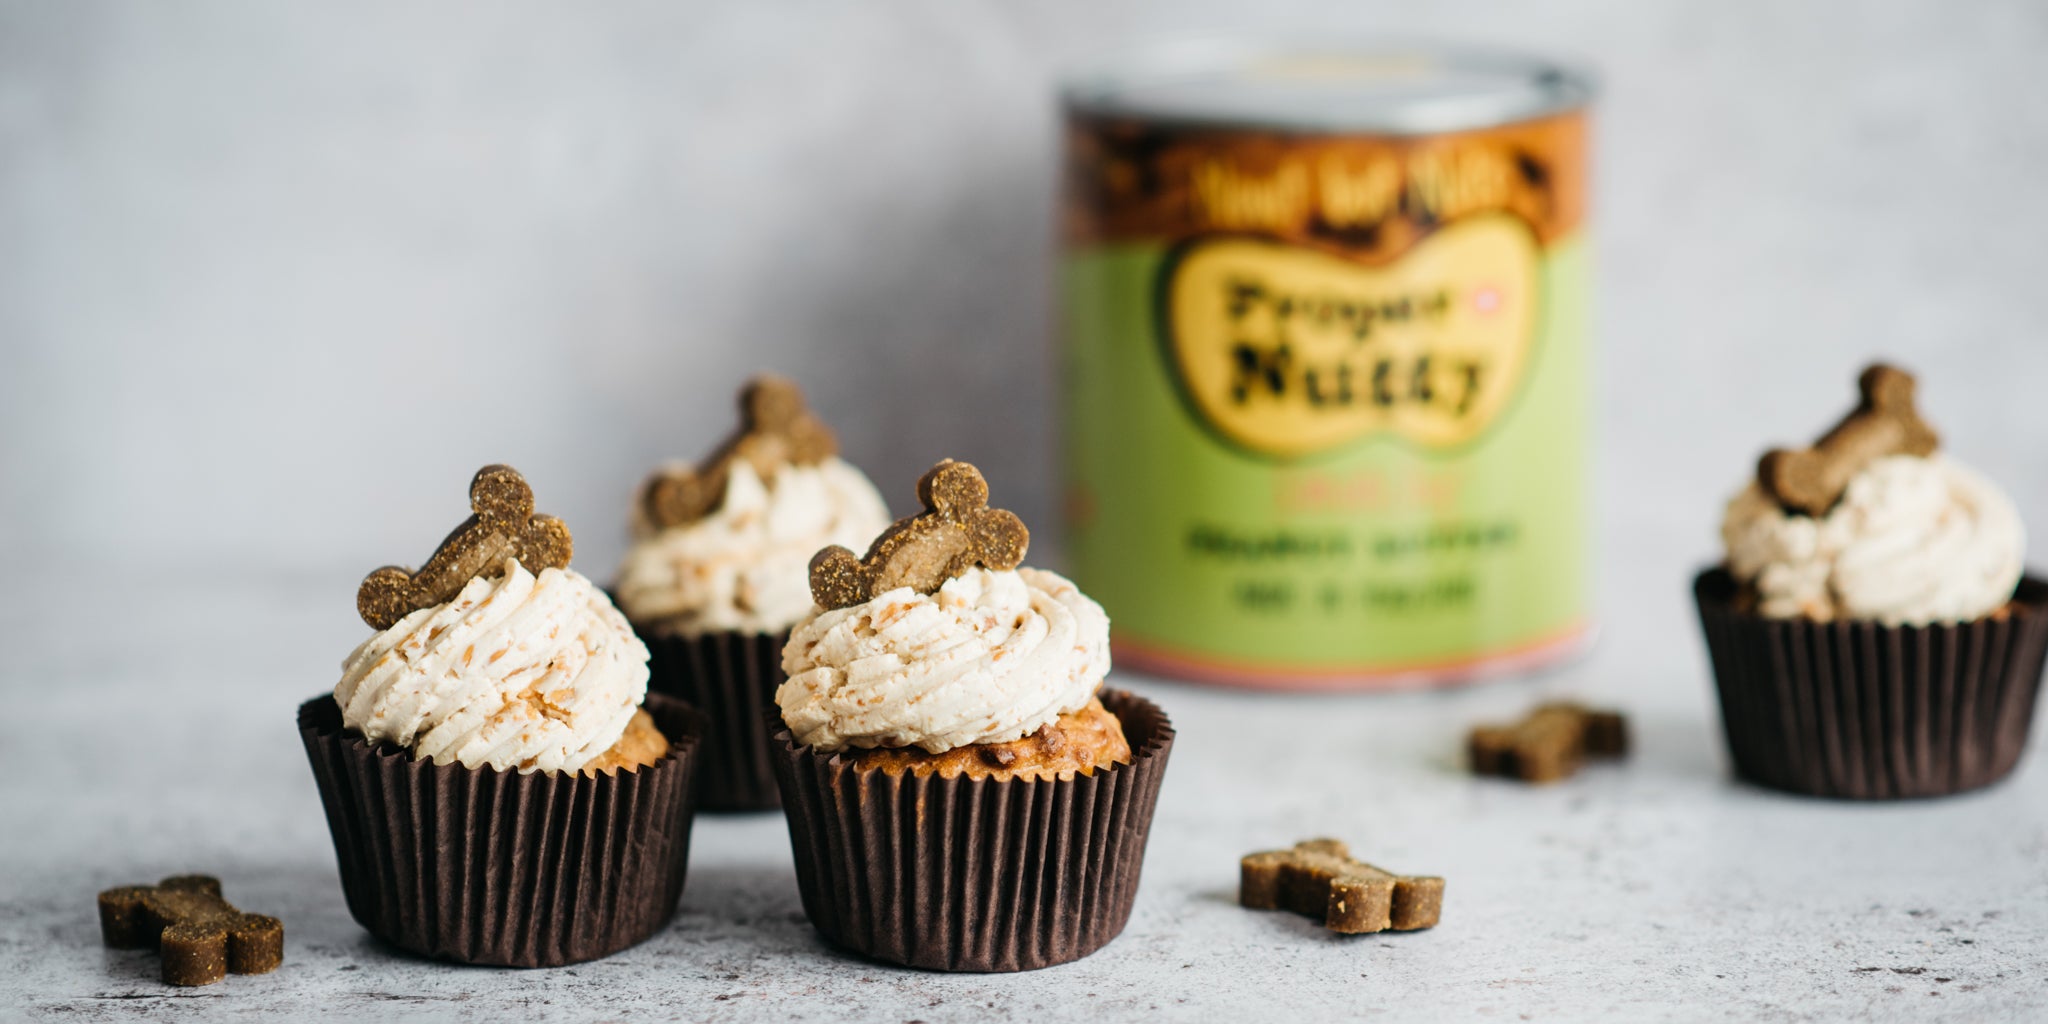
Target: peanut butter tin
{"x": 1326, "y": 361}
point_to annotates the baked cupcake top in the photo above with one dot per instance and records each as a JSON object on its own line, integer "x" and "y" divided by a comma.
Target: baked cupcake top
{"x": 1873, "y": 523}
{"x": 724, "y": 545}
{"x": 495, "y": 653}
{"x": 936, "y": 639}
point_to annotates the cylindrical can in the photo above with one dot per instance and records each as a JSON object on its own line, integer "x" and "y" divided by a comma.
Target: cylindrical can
{"x": 1327, "y": 370}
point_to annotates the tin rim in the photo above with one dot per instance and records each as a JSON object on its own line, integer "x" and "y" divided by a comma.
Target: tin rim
{"x": 1386, "y": 86}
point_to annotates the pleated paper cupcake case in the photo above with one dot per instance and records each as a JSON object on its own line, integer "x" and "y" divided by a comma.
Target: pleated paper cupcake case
{"x": 1860, "y": 710}
{"x": 974, "y": 875}
{"x": 490, "y": 867}
{"x": 731, "y": 678}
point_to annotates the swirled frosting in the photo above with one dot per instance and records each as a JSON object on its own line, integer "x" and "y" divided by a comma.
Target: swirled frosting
{"x": 525, "y": 672}
{"x": 746, "y": 566}
{"x": 1912, "y": 541}
{"x": 989, "y": 658}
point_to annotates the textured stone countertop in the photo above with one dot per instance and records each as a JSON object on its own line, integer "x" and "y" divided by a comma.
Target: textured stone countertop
{"x": 1657, "y": 889}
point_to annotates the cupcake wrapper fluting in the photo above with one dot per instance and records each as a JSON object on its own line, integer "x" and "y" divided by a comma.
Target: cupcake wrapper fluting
{"x": 1864, "y": 711}
{"x": 488, "y": 867}
{"x": 973, "y": 874}
{"x": 731, "y": 679}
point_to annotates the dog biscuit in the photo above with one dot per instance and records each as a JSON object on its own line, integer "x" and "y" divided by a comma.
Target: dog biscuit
{"x": 502, "y": 523}
{"x": 1549, "y": 743}
{"x": 956, "y": 532}
{"x": 200, "y": 936}
{"x": 776, "y": 429}
{"x": 1319, "y": 878}
{"x": 1884, "y": 422}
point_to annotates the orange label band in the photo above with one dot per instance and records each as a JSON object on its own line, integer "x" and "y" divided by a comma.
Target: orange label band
{"x": 1370, "y": 197}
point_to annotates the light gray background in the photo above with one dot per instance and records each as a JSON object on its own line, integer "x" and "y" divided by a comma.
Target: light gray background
{"x": 275, "y": 278}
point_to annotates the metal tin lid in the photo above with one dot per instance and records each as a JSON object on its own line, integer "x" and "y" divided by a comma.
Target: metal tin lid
{"x": 1382, "y": 88}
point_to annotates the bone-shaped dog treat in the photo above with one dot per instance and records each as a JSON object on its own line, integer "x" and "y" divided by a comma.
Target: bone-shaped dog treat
{"x": 956, "y": 532}
{"x": 1318, "y": 877}
{"x": 200, "y": 936}
{"x": 502, "y": 524}
{"x": 776, "y": 430}
{"x": 1549, "y": 744}
{"x": 1811, "y": 480}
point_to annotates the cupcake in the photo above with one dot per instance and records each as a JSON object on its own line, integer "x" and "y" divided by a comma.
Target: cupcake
{"x": 718, "y": 572}
{"x": 961, "y": 792}
{"x": 1872, "y": 633}
{"x": 500, "y": 787}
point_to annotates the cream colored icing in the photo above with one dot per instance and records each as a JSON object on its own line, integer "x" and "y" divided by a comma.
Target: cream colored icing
{"x": 1912, "y": 541}
{"x": 989, "y": 658}
{"x": 746, "y": 566}
{"x": 525, "y": 672}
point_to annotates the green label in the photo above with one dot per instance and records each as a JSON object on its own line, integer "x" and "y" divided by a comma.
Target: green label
{"x": 1279, "y": 460}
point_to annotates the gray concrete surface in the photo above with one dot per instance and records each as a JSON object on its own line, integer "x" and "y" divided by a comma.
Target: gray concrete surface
{"x": 274, "y": 279}
{"x": 1654, "y": 890}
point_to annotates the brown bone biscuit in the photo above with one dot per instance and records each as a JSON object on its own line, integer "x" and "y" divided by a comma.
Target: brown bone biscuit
{"x": 1884, "y": 422}
{"x": 1549, "y": 743}
{"x": 200, "y": 936}
{"x": 1318, "y": 877}
{"x": 956, "y": 532}
{"x": 502, "y": 524}
{"x": 776, "y": 430}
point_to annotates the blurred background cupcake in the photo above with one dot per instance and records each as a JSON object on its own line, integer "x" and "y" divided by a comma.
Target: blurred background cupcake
{"x": 1872, "y": 632}
{"x": 961, "y": 793}
{"x": 500, "y": 787}
{"x": 718, "y": 572}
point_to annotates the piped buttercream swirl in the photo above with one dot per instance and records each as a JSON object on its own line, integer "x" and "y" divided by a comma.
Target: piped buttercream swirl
{"x": 989, "y": 658}
{"x": 517, "y": 672}
{"x": 1912, "y": 541}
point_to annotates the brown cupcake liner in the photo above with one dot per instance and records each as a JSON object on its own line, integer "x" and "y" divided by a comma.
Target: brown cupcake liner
{"x": 481, "y": 866}
{"x": 731, "y": 678}
{"x": 1864, "y": 711}
{"x": 973, "y": 874}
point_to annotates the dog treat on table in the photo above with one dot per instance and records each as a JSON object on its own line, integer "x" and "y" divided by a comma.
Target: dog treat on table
{"x": 1549, "y": 744}
{"x": 1319, "y": 877}
{"x": 200, "y": 936}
